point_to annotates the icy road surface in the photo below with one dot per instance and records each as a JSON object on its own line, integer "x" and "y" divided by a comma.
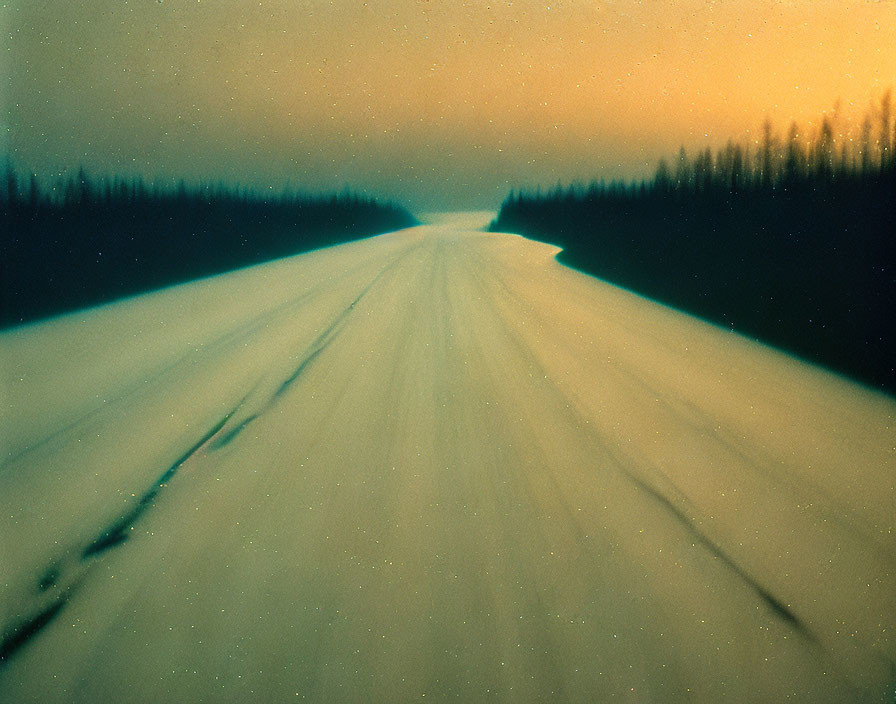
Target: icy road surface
{"x": 435, "y": 465}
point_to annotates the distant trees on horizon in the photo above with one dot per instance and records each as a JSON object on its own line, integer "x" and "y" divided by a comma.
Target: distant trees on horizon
{"x": 828, "y": 152}
{"x": 791, "y": 239}
{"x": 82, "y": 241}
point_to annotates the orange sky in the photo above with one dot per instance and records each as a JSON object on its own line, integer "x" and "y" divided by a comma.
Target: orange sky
{"x": 439, "y": 104}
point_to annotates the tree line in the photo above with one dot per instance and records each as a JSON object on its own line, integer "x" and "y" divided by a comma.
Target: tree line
{"x": 789, "y": 238}
{"x": 81, "y": 241}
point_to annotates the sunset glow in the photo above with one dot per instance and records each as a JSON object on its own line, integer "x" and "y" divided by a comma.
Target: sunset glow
{"x": 441, "y": 105}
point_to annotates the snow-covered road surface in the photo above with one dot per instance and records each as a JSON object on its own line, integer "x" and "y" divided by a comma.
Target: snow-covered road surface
{"x": 435, "y": 465}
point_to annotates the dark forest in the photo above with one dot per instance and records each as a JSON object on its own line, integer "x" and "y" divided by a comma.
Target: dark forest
{"x": 82, "y": 241}
{"x": 789, "y": 239}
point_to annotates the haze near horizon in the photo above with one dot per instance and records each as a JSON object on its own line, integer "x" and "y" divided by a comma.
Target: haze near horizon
{"x": 442, "y": 106}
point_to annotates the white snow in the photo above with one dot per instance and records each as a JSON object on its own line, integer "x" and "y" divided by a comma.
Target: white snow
{"x": 448, "y": 466}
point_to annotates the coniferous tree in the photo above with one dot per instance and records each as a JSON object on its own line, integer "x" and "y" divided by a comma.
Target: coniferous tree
{"x": 82, "y": 241}
{"x": 792, "y": 241}
{"x": 885, "y": 146}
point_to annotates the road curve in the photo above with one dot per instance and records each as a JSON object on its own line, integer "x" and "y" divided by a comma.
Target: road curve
{"x": 435, "y": 464}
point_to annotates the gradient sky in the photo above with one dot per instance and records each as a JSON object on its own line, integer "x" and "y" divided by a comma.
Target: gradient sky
{"x": 439, "y": 104}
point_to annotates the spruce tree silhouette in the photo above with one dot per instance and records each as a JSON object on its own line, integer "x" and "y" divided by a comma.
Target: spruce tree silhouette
{"x": 794, "y": 244}
{"x": 85, "y": 242}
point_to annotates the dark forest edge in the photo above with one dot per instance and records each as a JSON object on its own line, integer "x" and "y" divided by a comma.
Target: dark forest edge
{"x": 788, "y": 240}
{"x": 83, "y": 241}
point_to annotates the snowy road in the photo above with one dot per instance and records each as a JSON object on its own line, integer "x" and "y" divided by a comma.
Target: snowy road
{"x": 435, "y": 464}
